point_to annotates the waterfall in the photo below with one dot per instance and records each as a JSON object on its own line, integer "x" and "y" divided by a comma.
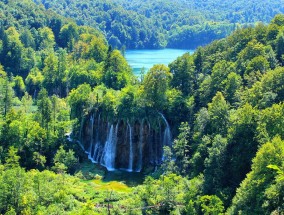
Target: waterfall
{"x": 124, "y": 145}
{"x": 114, "y": 144}
{"x": 141, "y": 133}
{"x": 167, "y": 139}
{"x": 130, "y": 164}
{"x": 108, "y": 158}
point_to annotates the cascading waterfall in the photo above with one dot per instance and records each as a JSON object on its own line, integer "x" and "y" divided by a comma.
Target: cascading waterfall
{"x": 104, "y": 148}
{"x": 126, "y": 146}
{"x": 108, "y": 157}
{"x": 130, "y": 165}
{"x": 167, "y": 139}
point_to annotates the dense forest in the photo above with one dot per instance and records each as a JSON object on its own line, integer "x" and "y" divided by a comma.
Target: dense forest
{"x": 224, "y": 105}
{"x": 159, "y": 24}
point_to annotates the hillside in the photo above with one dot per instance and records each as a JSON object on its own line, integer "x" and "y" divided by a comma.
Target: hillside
{"x": 158, "y": 24}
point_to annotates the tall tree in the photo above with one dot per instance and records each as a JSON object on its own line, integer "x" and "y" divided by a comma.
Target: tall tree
{"x": 44, "y": 108}
{"x": 156, "y": 83}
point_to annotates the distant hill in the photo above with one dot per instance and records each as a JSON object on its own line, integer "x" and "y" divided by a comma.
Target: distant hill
{"x": 158, "y": 24}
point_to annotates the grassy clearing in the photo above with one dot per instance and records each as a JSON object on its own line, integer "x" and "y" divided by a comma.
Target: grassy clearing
{"x": 100, "y": 185}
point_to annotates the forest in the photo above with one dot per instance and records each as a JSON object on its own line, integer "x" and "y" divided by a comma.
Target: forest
{"x": 150, "y": 24}
{"x": 64, "y": 90}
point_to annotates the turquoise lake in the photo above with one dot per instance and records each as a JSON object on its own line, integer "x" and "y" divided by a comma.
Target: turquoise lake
{"x": 146, "y": 58}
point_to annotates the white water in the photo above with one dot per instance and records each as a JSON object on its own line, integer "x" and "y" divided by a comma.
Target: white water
{"x": 109, "y": 150}
{"x": 167, "y": 139}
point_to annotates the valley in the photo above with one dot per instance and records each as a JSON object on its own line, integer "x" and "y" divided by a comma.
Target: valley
{"x": 141, "y": 107}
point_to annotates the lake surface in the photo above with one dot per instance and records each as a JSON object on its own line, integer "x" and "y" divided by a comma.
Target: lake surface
{"x": 146, "y": 58}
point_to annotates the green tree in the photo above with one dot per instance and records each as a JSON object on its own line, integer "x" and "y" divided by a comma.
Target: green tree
{"x": 198, "y": 60}
{"x": 44, "y": 109}
{"x": 117, "y": 71}
{"x": 46, "y": 39}
{"x": 232, "y": 84}
{"x": 250, "y": 197}
{"x": 34, "y": 82}
{"x": 98, "y": 49}
{"x": 19, "y": 86}
{"x": 61, "y": 76}
{"x": 211, "y": 205}
{"x": 12, "y": 49}
{"x": 65, "y": 160}
{"x": 218, "y": 111}
{"x": 13, "y": 186}
{"x": 184, "y": 77}
{"x": 215, "y": 164}
{"x": 51, "y": 79}
{"x": 241, "y": 141}
{"x": 155, "y": 85}
{"x": 168, "y": 164}
{"x": 12, "y": 159}
{"x": 279, "y": 48}
{"x": 28, "y": 39}
{"x": 79, "y": 100}
{"x": 6, "y": 95}
{"x": 182, "y": 148}
{"x": 68, "y": 36}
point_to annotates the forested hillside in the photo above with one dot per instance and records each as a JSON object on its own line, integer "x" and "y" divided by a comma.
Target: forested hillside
{"x": 223, "y": 105}
{"x": 158, "y": 24}
{"x": 43, "y": 57}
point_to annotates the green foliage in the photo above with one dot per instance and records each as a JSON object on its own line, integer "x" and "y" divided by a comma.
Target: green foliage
{"x": 251, "y": 196}
{"x": 211, "y": 205}
{"x": 215, "y": 165}
{"x": 184, "y": 76}
{"x": 44, "y": 108}
{"x": 166, "y": 194}
{"x": 78, "y": 100}
{"x": 44, "y": 192}
{"x": 155, "y": 85}
{"x": 117, "y": 71}
{"x": 227, "y": 98}
{"x": 182, "y": 148}
{"x": 65, "y": 161}
{"x": 218, "y": 112}
{"x": 168, "y": 165}
{"x": 12, "y": 159}
{"x": 6, "y": 95}
{"x": 148, "y": 24}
